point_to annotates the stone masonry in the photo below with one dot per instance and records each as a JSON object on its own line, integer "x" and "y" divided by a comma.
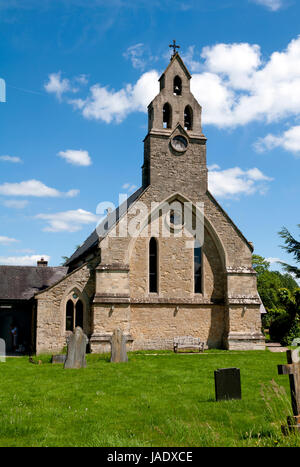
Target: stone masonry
{"x": 111, "y": 275}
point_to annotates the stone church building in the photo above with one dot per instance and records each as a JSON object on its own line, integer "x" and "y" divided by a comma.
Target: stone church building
{"x": 151, "y": 285}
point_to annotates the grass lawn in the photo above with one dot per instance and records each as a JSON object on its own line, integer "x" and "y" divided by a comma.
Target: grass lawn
{"x": 162, "y": 399}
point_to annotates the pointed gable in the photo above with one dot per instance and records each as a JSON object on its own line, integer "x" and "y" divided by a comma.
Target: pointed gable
{"x": 178, "y": 59}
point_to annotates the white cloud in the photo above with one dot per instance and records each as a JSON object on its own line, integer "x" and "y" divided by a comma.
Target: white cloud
{"x": 7, "y": 240}
{"x": 272, "y": 5}
{"x": 135, "y": 54}
{"x": 33, "y": 188}
{"x": 237, "y": 87}
{"x": 213, "y": 166}
{"x": 232, "y": 83}
{"x": 70, "y": 221}
{"x": 76, "y": 157}
{"x": 129, "y": 187}
{"x": 289, "y": 140}
{"x": 81, "y": 79}
{"x": 13, "y": 159}
{"x": 56, "y": 85}
{"x": 188, "y": 58}
{"x": 110, "y": 105}
{"x": 15, "y": 204}
{"x": 22, "y": 260}
{"x": 230, "y": 183}
{"x": 235, "y": 62}
{"x": 273, "y": 260}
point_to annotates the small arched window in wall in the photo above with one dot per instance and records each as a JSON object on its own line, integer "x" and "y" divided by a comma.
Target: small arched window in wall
{"x": 153, "y": 261}
{"x": 70, "y": 316}
{"x": 167, "y": 116}
{"x": 188, "y": 118}
{"x": 197, "y": 267}
{"x": 177, "y": 86}
{"x": 79, "y": 314}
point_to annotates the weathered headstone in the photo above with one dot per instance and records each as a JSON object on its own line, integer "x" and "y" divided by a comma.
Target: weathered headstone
{"x": 293, "y": 370}
{"x": 296, "y": 341}
{"x": 228, "y": 384}
{"x": 58, "y": 358}
{"x": 76, "y": 349}
{"x": 118, "y": 347}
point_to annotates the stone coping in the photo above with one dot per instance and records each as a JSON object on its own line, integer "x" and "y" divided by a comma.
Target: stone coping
{"x": 119, "y": 298}
{"x": 109, "y": 298}
{"x": 126, "y": 299}
{"x": 243, "y": 300}
{"x": 113, "y": 267}
{"x": 244, "y": 336}
{"x": 240, "y": 270}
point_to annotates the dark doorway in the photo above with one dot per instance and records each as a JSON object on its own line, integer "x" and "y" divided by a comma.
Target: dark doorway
{"x": 19, "y": 316}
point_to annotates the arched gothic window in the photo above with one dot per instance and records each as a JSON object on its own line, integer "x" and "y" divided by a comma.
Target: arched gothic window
{"x": 167, "y": 116}
{"x": 70, "y": 316}
{"x": 79, "y": 314}
{"x": 177, "y": 86}
{"x": 74, "y": 314}
{"x": 197, "y": 267}
{"x": 188, "y": 118}
{"x": 153, "y": 262}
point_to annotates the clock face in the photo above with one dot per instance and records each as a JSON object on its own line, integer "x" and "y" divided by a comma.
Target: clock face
{"x": 179, "y": 143}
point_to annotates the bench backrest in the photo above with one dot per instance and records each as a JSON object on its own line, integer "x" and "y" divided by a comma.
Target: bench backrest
{"x": 185, "y": 340}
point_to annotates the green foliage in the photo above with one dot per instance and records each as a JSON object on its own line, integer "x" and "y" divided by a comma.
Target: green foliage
{"x": 292, "y": 333}
{"x": 292, "y": 246}
{"x": 271, "y": 315}
{"x": 285, "y": 326}
{"x": 269, "y": 283}
{"x": 260, "y": 264}
{"x": 280, "y": 326}
{"x": 281, "y": 297}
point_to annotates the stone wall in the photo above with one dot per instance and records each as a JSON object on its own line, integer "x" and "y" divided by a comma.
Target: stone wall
{"x": 154, "y": 327}
{"x": 51, "y": 332}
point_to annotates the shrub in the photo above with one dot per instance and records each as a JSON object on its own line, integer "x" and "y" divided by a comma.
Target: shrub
{"x": 292, "y": 333}
{"x": 280, "y": 327}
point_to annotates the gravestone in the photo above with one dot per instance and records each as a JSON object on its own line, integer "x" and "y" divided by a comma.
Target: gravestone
{"x": 118, "y": 347}
{"x": 228, "y": 384}
{"x": 296, "y": 341}
{"x": 77, "y": 342}
{"x": 293, "y": 370}
{"x": 58, "y": 358}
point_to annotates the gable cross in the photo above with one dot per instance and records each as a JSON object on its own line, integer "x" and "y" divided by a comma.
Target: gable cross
{"x": 293, "y": 370}
{"x": 174, "y": 47}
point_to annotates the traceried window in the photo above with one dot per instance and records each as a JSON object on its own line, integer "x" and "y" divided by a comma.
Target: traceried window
{"x": 74, "y": 314}
{"x": 188, "y": 118}
{"x": 153, "y": 265}
{"x": 197, "y": 267}
{"x": 167, "y": 116}
{"x": 177, "y": 86}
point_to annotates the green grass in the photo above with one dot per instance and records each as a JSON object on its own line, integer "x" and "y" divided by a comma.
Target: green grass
{"x": 153, "y": 400}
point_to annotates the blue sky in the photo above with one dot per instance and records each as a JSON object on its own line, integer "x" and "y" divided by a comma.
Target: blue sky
{"x": 78, "y": 81}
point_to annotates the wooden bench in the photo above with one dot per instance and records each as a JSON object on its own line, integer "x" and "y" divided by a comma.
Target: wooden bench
{"x": 188, "y": 342}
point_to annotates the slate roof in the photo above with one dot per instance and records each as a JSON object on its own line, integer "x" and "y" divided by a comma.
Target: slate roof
{"x": 22, "y": 282}
{"x": 93, "y": 239}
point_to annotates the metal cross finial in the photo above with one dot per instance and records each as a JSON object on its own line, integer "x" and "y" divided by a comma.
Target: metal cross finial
{"x": 174, "y": 47}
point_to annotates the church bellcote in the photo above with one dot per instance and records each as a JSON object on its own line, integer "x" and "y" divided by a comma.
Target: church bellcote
{"x": 175, "y": 143}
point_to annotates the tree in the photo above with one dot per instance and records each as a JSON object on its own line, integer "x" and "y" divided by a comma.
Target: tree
{"x": 269, "y": 283}
{"x": 291, "y": 246}
{"x": 260, "y": 264}
{"x": 286, "y": 326}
